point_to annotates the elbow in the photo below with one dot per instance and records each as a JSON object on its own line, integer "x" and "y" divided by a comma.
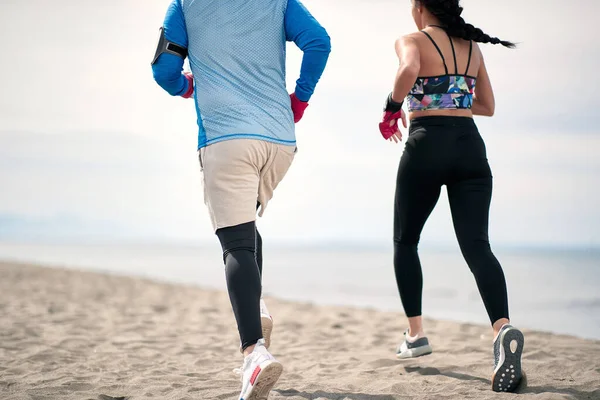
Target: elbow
{"x": 483, "y": 108}
{"x": 166, "y": 80}
{"x": 409, "y": 70}
{"x": 322, "y": 40}
{"x": 325, "y": 42}
{"x": 319, "y": 42}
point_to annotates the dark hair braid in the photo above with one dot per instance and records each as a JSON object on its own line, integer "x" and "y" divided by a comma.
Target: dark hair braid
{"x": 449, "y": 11}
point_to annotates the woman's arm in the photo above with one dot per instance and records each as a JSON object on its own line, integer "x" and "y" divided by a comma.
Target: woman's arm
{"x": 483, "y": 102}
{"x": 408, "y": 71}
{"x": 410, "y": 64}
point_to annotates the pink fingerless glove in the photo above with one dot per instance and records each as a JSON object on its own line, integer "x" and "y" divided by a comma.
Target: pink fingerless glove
{"x": 298, "y": 107}
{"x": 190, "y": 78}
{"x": 392, "y": 112}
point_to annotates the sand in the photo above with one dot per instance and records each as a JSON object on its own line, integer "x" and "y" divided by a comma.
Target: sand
{"x": 67, "y": 334}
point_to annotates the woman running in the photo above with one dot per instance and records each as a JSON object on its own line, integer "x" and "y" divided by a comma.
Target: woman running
{"x": 439, "y": 68}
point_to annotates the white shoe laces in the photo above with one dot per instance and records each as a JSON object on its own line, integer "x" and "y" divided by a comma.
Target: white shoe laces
{"x": 240, "y": 371}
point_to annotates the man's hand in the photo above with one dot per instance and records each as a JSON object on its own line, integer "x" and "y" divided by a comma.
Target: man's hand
{"x": 298, "y": 107}
{"x": 190, "y": 78}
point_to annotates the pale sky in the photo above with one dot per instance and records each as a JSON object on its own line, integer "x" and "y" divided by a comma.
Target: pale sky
{"x": 91, "y": 147}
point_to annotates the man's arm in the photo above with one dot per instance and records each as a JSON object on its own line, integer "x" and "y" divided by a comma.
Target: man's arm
{"x": 167, "y": 66}
{"x": 304, "y": 30}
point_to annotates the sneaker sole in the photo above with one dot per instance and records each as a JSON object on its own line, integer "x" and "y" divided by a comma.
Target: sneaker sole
{"x": 416, "y": 352}
{"x": 265, "y": 381}
{"x": 508, "y": 374}
{"x": 267, "y": 328}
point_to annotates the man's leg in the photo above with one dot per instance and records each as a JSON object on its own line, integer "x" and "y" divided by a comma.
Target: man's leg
{"x": 259, "y": 254}
{"x": 278, "y": 162}
{"x": 231, "y": 180}
{"x": 266, "y": 321}
{"x": 232, "y": 172}
{"x": 243, "y": 279}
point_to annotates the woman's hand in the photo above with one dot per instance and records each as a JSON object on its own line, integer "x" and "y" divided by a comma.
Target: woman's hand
{"x": 389, "y": 127}
{"x": 397, "y": 135}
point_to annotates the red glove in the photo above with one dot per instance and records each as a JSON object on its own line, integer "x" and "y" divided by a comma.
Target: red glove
{"x": 190, "y": 78}
{"x": 298, "y": 107}
{"x": 392, "y": 112}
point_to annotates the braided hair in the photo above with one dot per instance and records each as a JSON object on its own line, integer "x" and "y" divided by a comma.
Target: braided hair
{"x": 449, "y": 11}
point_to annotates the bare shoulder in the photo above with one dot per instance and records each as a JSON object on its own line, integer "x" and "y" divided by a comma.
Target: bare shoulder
{"x": 477, "y": 50}
{"x": 478, "y": 66}
{"x": 406, "y": 41}
{"x": 411, "y": 38}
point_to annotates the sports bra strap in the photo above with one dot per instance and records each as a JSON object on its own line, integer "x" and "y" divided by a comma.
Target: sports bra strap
{"x": 439, "y": 51}
{"x": 470, "y": 52}
{"x": 453, "y": 52}
{"x": 452, "y": 45}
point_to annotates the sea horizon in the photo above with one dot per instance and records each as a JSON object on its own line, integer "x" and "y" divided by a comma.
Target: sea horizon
{"x": 563, "y": 281}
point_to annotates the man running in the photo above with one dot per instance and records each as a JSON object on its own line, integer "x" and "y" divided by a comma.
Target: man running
{"x": 246, "y": 140}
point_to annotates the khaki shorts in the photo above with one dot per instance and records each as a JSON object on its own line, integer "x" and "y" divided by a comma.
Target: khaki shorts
{"x": 238, "y": 174}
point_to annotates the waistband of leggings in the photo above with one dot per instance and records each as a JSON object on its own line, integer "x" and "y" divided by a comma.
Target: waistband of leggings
{"x": 442, "y": 120}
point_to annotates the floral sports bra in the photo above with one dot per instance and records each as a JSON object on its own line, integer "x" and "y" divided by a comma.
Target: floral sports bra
{"x": 444, "y": 92}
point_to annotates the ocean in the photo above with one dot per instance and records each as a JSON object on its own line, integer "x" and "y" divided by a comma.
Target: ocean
{"x": 549, "y": 290}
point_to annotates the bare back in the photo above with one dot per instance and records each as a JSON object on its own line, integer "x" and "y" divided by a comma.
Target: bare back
{"x": 432, "y": 63}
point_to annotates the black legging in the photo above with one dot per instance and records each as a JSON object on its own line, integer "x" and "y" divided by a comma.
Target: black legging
{"x": 242, "y": 254}
{"x": 446, "y": 151}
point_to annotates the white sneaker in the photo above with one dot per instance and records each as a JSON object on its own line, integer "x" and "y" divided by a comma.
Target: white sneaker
{"x": 266, "y": 322}
{"x": 413, "y": 348}
{"x": 260, "y": 371}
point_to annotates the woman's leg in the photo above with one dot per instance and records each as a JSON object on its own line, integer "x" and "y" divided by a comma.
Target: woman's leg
{"x": 470, "y": 194}
{"x": 470, "y": 204}
{"x": 417, "y": 192}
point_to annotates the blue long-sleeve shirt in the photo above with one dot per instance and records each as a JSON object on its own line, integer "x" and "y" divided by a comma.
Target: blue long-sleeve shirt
{"x": 236, "y": 51}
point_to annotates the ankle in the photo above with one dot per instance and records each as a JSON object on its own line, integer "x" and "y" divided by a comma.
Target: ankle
{"x": 415, "y": 327}
{"x": 249, "y": 350}
{"x": 497, "y": 326}
{"x": 414, "y": 335}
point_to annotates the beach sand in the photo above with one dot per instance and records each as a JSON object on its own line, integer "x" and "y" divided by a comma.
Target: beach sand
{"x": 67, "y": 334}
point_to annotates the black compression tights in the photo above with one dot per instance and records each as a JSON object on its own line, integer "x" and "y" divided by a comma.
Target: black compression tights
{"x": 242, "y": 254}
{"x": 446, "y": 151}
